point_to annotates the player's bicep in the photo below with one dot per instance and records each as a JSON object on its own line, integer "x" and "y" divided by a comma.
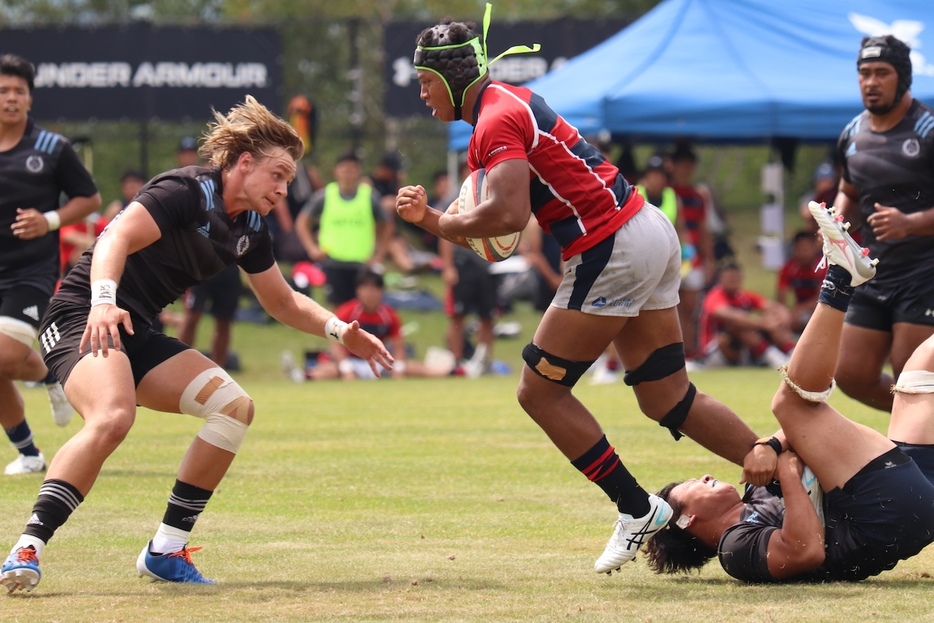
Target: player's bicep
{"x": 134, "y": 227}
{"x": 509, "y": 191}
{"x": 788, "y": 560}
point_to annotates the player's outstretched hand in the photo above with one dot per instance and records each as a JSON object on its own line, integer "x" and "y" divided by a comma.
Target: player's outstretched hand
{"x": 367, "y": 346}
{"x": 412, "y": 203}
{"x": 104, "y": 322}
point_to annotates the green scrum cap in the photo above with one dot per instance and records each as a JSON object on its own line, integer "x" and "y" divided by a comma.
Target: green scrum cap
{"x": 460, "y": 65}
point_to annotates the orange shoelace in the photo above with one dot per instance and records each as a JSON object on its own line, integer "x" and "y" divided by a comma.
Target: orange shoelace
{"x": 27, "y": 554}
{"x": 184, "y": 553}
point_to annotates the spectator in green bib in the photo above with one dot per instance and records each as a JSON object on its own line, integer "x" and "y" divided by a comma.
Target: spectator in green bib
{"x": 343, "y": 228}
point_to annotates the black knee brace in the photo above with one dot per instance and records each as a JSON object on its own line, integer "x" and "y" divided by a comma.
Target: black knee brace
{"x": 555, "y": 369}
{"x": 674, "y": 419}
{"x": 663, "y": 362}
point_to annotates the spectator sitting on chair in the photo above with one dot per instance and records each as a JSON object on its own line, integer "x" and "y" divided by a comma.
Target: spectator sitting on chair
{"x": 739, "y": 325}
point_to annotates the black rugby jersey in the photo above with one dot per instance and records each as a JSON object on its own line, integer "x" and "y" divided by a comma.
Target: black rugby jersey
{"x": 893, "y": 168}
{"x": 198, "y": 241}
{"x": 34, "y": 174}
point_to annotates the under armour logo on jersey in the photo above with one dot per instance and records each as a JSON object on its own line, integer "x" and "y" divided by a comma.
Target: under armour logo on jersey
{"x": 50, "y": 337}
{"x": 31, "y": 312}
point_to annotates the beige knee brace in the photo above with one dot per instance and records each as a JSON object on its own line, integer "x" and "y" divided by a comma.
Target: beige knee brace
{"x": 227, "y": 410}
{"x": 22, "y": 332}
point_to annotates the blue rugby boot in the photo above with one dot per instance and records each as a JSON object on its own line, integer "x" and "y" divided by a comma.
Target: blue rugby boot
{"x": 20, "y": 571}
{"x": 173, "y": 567}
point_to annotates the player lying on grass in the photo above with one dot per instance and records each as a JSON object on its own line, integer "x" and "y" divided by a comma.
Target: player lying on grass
{"x": 878, "y": 500}
{"x": 184, "y": 227}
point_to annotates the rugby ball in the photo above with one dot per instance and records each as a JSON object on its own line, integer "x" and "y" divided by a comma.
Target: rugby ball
{"x": 474, "y": 191}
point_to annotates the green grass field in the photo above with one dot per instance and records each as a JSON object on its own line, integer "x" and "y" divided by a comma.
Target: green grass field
{"x": 413, "y": 500}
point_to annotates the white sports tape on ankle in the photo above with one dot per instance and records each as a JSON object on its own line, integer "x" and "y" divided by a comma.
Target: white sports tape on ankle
{"x": 809, "y": 396}
{"x": 227, "y": 410}
{"x": 22, "y": 332}
{"x": 914, "y": 382}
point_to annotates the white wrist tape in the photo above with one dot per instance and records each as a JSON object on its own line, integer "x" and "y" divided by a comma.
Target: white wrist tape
{"x": 103, "y": 292}
{"x": 334, "y": 329}
{"x": 53, "y": 219}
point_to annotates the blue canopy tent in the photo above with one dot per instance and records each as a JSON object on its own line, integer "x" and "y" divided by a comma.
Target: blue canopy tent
{"x": 732, "y": 70}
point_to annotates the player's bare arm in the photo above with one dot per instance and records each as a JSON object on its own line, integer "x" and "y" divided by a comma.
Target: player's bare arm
{"x": 302, "y": 313}
{"x": 31, "y": 223}
{"x": 505, "y": 212}
{"x": 799, "y": 546}
{"x": 847, "y": 203}
{"x": 135, "y": 229}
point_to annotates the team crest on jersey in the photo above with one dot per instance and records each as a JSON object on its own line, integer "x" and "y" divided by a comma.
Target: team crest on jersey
{"x": 911, "y": 147}
{"x": 242, "y": 245}
{"x": 34, "y": 163}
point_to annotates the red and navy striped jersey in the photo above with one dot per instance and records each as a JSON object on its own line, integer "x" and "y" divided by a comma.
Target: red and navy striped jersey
{"x": 576, "y": 193}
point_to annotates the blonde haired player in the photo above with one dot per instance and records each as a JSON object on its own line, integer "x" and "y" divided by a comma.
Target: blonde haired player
{"x": 184, "y": 227}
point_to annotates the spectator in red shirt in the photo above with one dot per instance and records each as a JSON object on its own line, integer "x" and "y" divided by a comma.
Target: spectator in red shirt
{"x": 379, "y": 318}
{"x": 801, "y": 278}
{"x": 739, "y": 325}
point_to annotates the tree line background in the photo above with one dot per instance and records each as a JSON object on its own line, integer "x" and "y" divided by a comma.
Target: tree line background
{"x": 322, "y": 41}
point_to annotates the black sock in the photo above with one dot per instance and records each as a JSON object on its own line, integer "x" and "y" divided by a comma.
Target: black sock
{"x": 56, "y": 502}
{"x": 21, "y": 438}
{"x": 603, "y": 467}
{"x": 185, "y": 505}
{"x": 836, "y": 290}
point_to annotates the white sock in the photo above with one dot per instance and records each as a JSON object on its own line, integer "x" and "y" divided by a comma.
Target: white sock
{"x": 26, "y": 540}
{"x": 168, "y": 540}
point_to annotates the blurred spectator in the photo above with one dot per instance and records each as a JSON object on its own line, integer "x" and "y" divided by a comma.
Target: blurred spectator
{"x": 824, "y": 190}
{"x": 387, "y": 178}
{"x": 800, "y": 279}
{"x": 543, "y": 253}
{"x": 471, "y": 290}
{"x": 186, "y": 154}
{"x": 286, "y": 245}
{"x": 343, "y": 228}
{"x": 739, "y": 326}
{"x": 130, "y": 184}
{"x": 694, "y": 206}
{"x": 377, "y": 317}
{"x": 74, "y": 239}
